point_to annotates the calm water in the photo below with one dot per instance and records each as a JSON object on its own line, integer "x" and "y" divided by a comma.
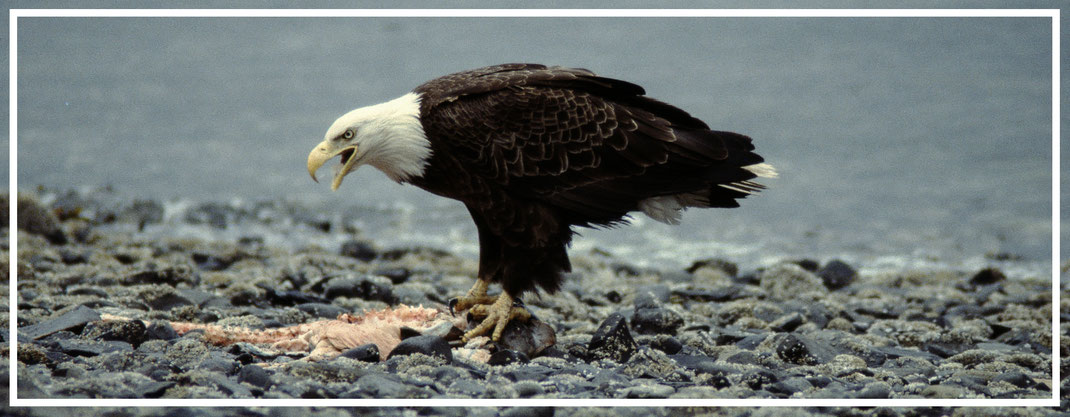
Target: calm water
{"x": 900, "y": 142}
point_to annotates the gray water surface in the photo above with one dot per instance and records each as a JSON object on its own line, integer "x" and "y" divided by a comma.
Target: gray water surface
{"x": 900, "y": 141}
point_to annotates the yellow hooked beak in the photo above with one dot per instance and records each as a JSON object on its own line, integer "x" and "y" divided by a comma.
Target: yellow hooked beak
{"x": 327, "y": 150}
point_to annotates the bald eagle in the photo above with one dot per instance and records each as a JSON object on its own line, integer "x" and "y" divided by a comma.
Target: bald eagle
{"x": 533, "y": 151}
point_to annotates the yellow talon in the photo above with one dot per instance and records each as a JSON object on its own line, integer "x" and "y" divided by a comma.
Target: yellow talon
{"x": 498, "y": 315}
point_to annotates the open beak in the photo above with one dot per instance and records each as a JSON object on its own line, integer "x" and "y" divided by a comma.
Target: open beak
{"x": 324, "y": 152}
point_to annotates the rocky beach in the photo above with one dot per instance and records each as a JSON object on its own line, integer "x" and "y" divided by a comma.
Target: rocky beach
{"x": 111, "y": 305}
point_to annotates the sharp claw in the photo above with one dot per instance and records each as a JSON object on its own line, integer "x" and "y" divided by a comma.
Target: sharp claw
{"x": 451, "y": 303}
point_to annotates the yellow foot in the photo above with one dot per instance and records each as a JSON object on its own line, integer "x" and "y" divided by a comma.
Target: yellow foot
{"x": 476, "y": 296}
{"x": 497, "y": 315}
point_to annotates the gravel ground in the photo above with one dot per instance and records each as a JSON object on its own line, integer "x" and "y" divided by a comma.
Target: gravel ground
{"x": 794, "y": 329}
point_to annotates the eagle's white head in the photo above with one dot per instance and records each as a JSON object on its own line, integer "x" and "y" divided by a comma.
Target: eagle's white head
{"x": 387, "y": 136}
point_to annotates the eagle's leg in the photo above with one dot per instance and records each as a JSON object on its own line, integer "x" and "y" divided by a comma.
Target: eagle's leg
{"x": 476, "y": 296}
{"x": 497, "y": 315}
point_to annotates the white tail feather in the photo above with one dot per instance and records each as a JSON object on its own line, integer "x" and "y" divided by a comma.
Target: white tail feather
{"x": 763, "y": 170}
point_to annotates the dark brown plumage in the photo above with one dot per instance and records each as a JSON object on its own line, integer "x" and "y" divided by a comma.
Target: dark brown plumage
{"x": 532, "y": 151}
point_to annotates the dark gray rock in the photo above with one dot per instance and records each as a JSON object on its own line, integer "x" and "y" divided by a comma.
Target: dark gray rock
{"x": 427, "y": 345}
{"x": 129, "y": 331}
{"x": 612, "y": 340}
{"x": 37, "y": 219}
{"x": 718, "y": 294}
{"x": 1018, "y": 379}
{"x": 256, "y": 376}
{"x": 529, "y": 411}
{"x": 395, "y": 275}
{"x": 727, "y": 267}
{"x": 506, "y": 357}
{"x": 171, "y": 276}
{"x": 788, "y": 322}
{"x": 72, "y": 320}
{"x": 790, "y": 386}
{"x": 81, "y": 347}
{"x": 878, "y": 389}
{"x": 656, "y": 320}
{"x": 362, "y": 251}
{"x": 467, "y": 387}
{"x": 987, "y": 276}
{"x": 801, "y": 350}
{"x": 154, "y": 389}
{"x": 168, "y": 300}
{"x": 745, "y": 357}
{"x": 751, "y": 341}
{"x": 364, "y": 353}
{"x": 836, "y": 274}
{"x": 321, "y": 310}
{"x": 379, "y": 385}
{"x": 291, "y": 298}
{"x": 160, "y": 330}
{"x": 529, "y": 338}
{"x": 758, "y": 378}
{"x": 529, "y": 372}
{"x": 668, "y": 344}
{"x": 368, "y": 288}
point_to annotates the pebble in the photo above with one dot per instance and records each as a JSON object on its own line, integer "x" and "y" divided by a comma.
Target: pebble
{"x": 364, "y": 353}
{"x": 794, "y": 329}
{"x": 612, "y": 340}
{"x": 836, "y": 274}
{"x": 425, "y": 344}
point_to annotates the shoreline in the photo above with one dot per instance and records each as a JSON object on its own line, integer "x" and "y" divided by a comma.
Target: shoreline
{"x": 792, "y": 329}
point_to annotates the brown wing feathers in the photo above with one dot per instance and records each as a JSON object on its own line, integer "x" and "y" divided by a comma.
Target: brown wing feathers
{"x": 592, "y": 146}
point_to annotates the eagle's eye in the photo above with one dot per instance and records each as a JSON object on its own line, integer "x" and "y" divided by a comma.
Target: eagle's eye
{"x": 348, "y": 134}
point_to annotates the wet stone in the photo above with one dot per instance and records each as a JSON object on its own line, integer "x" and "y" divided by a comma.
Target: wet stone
{"x": 788, "y": 322}
{"x": 530, "y": 372}
{"x": 506, "y": 357}
{"x": 668, "y": 344}
{"x": 1018, "y": 379}
{"x": 291, "y": 298}
{"x": 171, "y": 276}
{"x": 37, "y": 219}
{"x": 743, "y": 358}
{"x": 321, "y": 310}
{"x": 395, "y": 275}
{"x": 836, "y": 274}
{"x": 876, "y": 390}
{"x": 168, "y": 300}
{"x": 793, "y": 349}
{"x": 987, "y": 276}
{"x": 255, "y": 375}
{"x": 80, "y": 347}
{"x": 71, "y": 320}
{"x": 362, "y": 251}
{"x": 364, "y": 353}
{"x": 758, "y": 378}
{"x": 154, "y": 389}
{"x": 468, "y": 387}
{"x": 130, "y": 331}
{"x": 649, "y": 391}
{"x": 427, "y": 345}
{"x": 529, "y": 338}
{"x": 656, "y": 320}
{"x": 378, "y": 385}
{"x": 612, "y": 340}
{"x": 367, "y": 288}
{"x": 790, "y": 386}
{"x": 727, "y": 267}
